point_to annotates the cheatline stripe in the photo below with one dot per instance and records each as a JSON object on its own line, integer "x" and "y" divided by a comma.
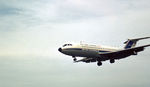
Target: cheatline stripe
{"x": 73, "y": 49}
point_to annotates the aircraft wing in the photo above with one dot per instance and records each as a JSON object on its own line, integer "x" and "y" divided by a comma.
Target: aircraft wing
{"x": 123, "y": 53}
{"x": 87, "y": 60}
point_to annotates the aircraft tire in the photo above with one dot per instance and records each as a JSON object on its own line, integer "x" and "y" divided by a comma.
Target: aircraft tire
{"x": 99, "y": 63}
{"x": 74, "y": 59}
{"x": 112, "y": 60}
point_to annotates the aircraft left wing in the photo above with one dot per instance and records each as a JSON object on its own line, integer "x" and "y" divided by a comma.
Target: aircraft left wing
{"x": 87, "y": 60}
{"x": 123, "y": 53}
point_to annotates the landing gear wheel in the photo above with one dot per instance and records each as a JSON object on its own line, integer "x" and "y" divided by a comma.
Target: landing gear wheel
{"x": 99, "y": 63}
{"x": 74, "y": 59}
{"x": 112, "y": 60}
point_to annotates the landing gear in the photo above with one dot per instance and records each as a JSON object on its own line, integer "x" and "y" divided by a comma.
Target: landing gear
{"x": 99, "y": 63}
{"x": 74, "y": 58}
{"x": 112, "y": 60}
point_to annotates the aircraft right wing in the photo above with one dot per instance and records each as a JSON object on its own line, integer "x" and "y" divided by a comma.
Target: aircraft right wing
{"x": 123, "y": 53}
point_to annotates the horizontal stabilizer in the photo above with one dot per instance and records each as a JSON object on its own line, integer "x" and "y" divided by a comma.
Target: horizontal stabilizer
{"x": 132, "y": 42}
{"x": 136, "y": 39}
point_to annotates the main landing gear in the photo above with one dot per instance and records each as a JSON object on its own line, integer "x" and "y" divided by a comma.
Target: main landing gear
{"x": 112, "y": 60}
{"x": 99, "y": 63}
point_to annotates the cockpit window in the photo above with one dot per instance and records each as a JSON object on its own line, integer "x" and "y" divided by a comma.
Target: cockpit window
{"x": 64, "y": 45}
{"x": 67, "y": 45}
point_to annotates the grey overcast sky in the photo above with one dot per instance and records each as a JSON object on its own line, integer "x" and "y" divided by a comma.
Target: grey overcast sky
{"x": 31, "y": 31}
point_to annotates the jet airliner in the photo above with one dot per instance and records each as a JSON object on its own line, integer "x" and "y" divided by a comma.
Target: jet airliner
{"x": 95, "y": 53}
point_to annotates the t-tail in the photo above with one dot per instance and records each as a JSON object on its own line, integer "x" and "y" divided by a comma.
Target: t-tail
{"x": 130, "y": 43}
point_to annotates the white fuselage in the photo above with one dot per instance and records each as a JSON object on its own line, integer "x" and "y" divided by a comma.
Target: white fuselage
{"x": 85, "y": 50}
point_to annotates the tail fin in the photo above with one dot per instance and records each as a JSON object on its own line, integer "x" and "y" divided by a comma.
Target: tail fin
{"x": 132, "y": 42}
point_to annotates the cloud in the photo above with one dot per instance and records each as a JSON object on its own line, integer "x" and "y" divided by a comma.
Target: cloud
{"x": 32, "y": 25}
{"x": 32, "y": 31}
{"x": 4, "y": 11}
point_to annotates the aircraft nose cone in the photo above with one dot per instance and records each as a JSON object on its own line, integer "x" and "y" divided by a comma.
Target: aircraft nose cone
{"x": 60, "y": 50}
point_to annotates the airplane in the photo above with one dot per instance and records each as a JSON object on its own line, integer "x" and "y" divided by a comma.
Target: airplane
{"x": 95, "y": 53}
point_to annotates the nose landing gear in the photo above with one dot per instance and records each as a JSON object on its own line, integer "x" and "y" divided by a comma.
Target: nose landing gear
{"x": 74, "y": 58}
